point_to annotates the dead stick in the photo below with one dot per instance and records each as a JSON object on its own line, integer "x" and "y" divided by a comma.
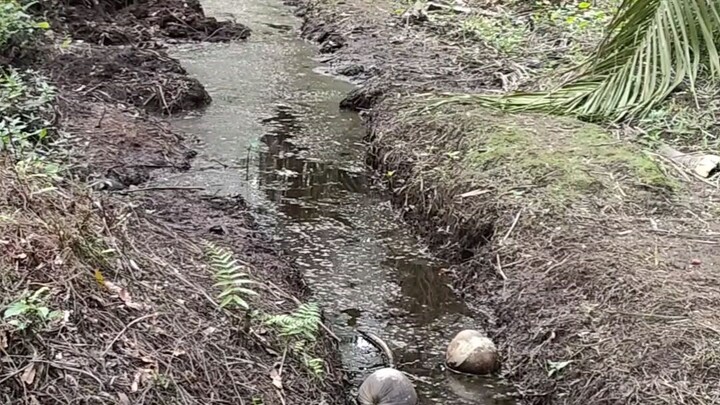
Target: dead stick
{"x": 160, "y": 189}
{"x": 125, "y": 329}
{"x": 512, "y": 227}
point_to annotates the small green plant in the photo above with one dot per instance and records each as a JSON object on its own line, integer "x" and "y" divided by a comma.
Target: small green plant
{"x": 25, "y": 105}
{"x": 300, "y": 330}
{"x": 230, "y": 278}
{"x": 501, "y": 33}
{"x": 17, "y": 26}
{"x": 30, "y": 310}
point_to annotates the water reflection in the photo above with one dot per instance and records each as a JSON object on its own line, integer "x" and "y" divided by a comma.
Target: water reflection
{"x": 363, "y": 265}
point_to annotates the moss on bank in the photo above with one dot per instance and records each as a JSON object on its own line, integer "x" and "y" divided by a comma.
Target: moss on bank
{"x": 558, "y": 158}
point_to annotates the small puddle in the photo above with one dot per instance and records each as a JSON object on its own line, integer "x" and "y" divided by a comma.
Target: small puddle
{"x": 275, "y": 135}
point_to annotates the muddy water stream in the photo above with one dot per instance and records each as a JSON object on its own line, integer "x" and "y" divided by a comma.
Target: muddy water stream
{"x": 275, "y": 135}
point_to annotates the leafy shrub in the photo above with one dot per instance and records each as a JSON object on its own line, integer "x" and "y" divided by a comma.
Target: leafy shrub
{"x": 25, "y": 107}
{"x": 17, "y": 26}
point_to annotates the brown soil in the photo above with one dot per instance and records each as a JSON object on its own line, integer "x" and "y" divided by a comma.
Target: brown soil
{"x": 143, "y": 78}
{"x": 158, "y": 336}
{"x": 605, "y": 270}
{"x": 115, "y": 22}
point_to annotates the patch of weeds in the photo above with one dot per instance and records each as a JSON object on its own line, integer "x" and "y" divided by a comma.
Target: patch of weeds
{"x": 581, "y": 24}
{"x": 300, "y": 332}
{"x": 30, "y": 311}
{"x": 25, "y": 107}
{"x": 678, "y": 122}
{"x": 18, "y": 29}
{"x": 502, "y": 33}
{"x": 93, "y": 250}
{"x": 567, "y": 161}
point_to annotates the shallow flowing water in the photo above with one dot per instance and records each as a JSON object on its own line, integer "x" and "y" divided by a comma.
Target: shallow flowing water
{"x": 275, "y": 135}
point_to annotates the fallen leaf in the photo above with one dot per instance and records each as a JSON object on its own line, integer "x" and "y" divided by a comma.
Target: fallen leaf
{"x": 556, "y": 366}
{"x": 3, "y": 340}
{"x": 178, "y": 352}
{"x": 28, "y": 376}
{"x": 276, "y": 379}
{"x": 124, "y": 400}
{"x": 209, "y": 331}
{"x": 99, "y": 278}
{"x": 124, "y": 295}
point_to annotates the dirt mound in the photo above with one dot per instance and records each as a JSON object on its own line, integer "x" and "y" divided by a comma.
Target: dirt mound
{"x": 110, "y": 144}
{"x": 147, "y": 79}
{"x": 600, "y": 279}
{"x": 142, "y": 22}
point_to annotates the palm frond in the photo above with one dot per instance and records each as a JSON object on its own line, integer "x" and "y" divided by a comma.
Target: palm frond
{"x": 652, "y": 47}
{"x": 230, "y": 277}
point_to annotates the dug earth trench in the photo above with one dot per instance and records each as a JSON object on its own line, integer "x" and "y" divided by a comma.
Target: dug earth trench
{"x": 598, "y": 262}
{"x": 109, "y": 286}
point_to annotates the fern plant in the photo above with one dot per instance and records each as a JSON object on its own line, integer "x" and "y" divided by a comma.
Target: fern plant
{"x": 300, "y": 329}
{"x": 230, "y": 278}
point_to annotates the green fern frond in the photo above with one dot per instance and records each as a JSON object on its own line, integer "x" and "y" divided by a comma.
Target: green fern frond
{"x": 315, "y": 365}
{"x": 300, "y": 329}
{"x": 230, "y": 278}
{"x": 303, "y": 322}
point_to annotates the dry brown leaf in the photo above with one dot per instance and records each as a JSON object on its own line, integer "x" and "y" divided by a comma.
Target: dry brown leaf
{"x": 28, "y": 376}
{"x": 3, "y": 340}
{"x": 276, "y": 379}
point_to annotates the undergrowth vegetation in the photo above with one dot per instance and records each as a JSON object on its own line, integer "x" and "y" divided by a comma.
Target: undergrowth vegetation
{"x": 299, "y": 330}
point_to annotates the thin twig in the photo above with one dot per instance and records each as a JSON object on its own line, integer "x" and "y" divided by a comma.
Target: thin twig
{"x": 512, "y": 227}
{"x": 125, "y": 329}
{"x": 500, "y": 269}
{"x": 137, "y": 190}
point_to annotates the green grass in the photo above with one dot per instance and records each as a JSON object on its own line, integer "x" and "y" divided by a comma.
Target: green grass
{"x": 565, "y": 157}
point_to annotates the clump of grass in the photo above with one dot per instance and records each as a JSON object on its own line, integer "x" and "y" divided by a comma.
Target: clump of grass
{"x": 567, "y": 159}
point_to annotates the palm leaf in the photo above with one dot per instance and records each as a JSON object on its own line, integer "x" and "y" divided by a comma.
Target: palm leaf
{"x": 652, "y": 47}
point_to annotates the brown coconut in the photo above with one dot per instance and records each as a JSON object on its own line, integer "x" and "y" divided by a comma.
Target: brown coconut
{"x": 472, "y": 352}
{"x": 387, "y": 386}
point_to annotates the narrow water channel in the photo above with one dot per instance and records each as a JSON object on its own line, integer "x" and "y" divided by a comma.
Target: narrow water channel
{"x": 275, "y": 135}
